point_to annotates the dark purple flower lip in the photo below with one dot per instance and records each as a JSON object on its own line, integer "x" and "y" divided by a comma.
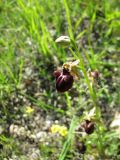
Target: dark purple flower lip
{"x": 88, "y": 126}
{"x": 81, "y": 147}
{"x": 64, "y": 80}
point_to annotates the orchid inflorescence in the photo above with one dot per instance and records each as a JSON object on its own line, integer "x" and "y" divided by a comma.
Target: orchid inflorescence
{"x": 64, "y": 82}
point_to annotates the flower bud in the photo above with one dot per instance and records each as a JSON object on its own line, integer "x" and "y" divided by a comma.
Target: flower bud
{"x": 94, "y": 74}
{"x": 81, "y": 147}
{"x": 94, "y": 78}
{"x": 88, "y": 126}
{"x": 57, "y": 74}
{"x": 63, "y": 40}
{"x": 64, "y": 80}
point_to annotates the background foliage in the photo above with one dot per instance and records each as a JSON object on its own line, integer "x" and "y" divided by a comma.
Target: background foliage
{"x": 28, "y": 57}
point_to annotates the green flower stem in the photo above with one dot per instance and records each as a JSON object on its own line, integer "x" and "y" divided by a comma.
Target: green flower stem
{"x": 77, "y": 55}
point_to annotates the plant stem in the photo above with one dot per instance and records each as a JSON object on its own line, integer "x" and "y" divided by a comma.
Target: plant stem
{"x": 77, "y": 55}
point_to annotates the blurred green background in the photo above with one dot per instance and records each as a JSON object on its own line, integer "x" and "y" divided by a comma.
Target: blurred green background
{"x": 28, "y": 57}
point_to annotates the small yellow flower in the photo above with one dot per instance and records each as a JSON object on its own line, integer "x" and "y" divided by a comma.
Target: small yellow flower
{"x": 62, "y": 130}
{"x": 55, "y": 128}
{"x": 29, "y": 110}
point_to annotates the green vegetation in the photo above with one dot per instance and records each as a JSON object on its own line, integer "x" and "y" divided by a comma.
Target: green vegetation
{"x": 29, "y": 101}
